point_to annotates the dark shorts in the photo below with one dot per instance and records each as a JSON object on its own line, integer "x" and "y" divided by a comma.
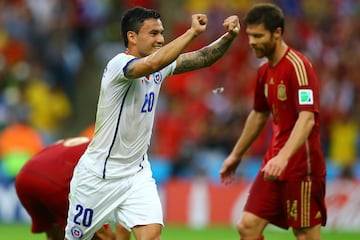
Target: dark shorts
{"x": 295, "y": 204}
{"x": 45, "y": 201}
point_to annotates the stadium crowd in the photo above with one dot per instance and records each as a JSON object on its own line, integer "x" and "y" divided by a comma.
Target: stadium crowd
{"x": 52, "y": 53}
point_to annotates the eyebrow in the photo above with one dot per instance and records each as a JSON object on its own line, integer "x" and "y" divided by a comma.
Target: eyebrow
{"x": 156, "y": 31}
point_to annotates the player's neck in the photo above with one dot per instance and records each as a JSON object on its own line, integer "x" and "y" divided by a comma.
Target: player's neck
{"x": 131, "y": 50}
{"x": 279, "y": 52}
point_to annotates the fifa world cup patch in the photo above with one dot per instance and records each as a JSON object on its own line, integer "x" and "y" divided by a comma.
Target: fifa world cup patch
{"x": 306, "y": 97}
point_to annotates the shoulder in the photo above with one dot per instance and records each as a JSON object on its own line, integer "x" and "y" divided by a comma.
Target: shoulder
{"x": 301, "y": 67}
{"x": 297, "y": 59}
{"x": 120, "y": 58}
{"x": 114, "y": 69}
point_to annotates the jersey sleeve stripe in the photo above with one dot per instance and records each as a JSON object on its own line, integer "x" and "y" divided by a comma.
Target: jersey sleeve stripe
{"x": 299, "y": 68}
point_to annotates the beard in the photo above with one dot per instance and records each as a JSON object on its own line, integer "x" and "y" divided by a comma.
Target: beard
{"x": 269, "y": 49}
{"x": 265, "y": 50}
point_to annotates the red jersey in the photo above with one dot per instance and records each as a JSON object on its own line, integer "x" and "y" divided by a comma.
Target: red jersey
{"x": 57, "y": 161}
{"x": 43, "y": 183}
{"x": 285, "y": 90}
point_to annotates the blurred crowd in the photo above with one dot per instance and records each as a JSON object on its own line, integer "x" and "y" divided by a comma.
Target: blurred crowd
{"x": 52, "y": 54}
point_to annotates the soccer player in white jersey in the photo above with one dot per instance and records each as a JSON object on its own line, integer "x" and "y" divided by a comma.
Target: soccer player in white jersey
{"x": 113, "y": 178}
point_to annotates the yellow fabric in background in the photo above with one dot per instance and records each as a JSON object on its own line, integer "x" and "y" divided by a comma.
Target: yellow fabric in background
{"x": 343, "y": 137}
{"x": 49, "y": 107}
{"x": 203, "y": 6}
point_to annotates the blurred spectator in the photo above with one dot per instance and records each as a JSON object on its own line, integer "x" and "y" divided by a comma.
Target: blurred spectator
{"x": 48, "y": 104}
{"x": 169, "y": 131}
{"x": 18, "y": 142}
{"x": 88, "y": 131}
{"x": 344, "y": 131}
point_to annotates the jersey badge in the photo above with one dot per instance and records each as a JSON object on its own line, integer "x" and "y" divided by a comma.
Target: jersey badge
{"x": 281, "y": 92}
{"x": 76, "y": 232}
{"x": 157, "y": 77}
{"x": 306, "y": 97}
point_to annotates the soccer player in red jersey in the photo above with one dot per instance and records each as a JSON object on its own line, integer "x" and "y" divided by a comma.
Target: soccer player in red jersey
{"x": 42, "y": 186}
{"x": 289, "y": 190}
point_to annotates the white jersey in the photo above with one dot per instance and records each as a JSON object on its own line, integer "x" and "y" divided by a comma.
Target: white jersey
{"x": 124, "y": 119}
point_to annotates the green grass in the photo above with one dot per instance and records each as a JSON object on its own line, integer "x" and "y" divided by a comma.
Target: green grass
{"x": 171, "y": 232}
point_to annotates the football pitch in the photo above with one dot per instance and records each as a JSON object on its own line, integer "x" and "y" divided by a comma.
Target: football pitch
{"x": 172, "y": 232}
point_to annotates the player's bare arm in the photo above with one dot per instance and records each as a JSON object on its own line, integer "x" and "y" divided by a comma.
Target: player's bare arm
{"x": 298, "y": 136}
{"x": 169, "y": 52}
{"x": 253, "y": 126}
{"x": 208, "y": 55}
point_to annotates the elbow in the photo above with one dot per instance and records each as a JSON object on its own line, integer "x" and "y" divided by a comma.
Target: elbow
{"x": 311, "y": 119}
{"x": 311, "y": 123}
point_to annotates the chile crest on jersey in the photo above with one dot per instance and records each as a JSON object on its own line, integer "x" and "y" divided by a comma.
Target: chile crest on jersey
{"x": 157, "y": 77}
{"x": 76, "y": 232}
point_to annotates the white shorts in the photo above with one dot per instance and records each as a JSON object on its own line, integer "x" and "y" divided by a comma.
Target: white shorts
{"x": 93, "y": 201}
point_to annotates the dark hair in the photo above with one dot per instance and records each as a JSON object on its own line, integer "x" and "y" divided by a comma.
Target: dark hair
{"x": 267, "y": 13}
{"x": 134, "y": 18}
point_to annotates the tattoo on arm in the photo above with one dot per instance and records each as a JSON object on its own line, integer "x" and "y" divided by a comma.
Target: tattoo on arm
{"x": 204, "y": 57}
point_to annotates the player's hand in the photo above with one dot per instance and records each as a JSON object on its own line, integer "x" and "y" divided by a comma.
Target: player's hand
{"x": 199, "y": 22}
{"x": 232, "y": 25}
{"x": 274, "y": 168}
{"x": 228, "y": 169}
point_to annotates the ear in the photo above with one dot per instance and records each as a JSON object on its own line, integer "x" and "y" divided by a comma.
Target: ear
{"x": 132, "y": 37}
{"x": 277, "y": 33}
